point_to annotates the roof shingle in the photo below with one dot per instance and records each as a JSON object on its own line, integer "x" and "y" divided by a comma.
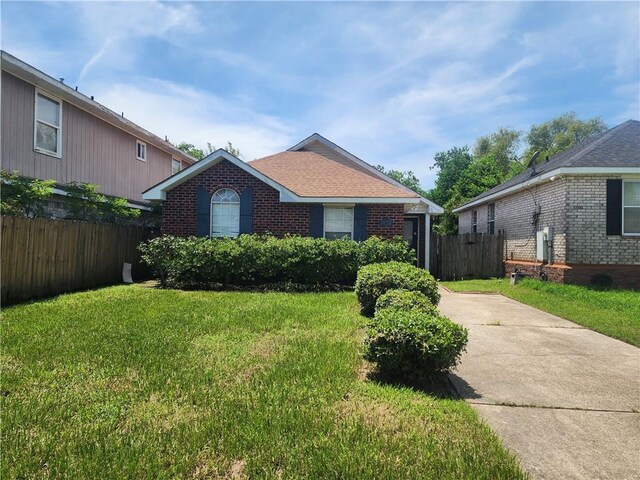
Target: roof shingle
{"x": 309, "y": 174}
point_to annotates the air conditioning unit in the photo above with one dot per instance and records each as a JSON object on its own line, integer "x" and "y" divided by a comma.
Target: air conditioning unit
{"x": 544, "y": 243}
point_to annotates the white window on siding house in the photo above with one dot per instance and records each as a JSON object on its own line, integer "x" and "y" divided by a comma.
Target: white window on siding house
{"x": 631, "y": 207}
{"x": 225, "y": 213}
{"x": 47, "y": 137}
{"x": 141, "y": 151}
{"x": 491, "y": 218}
{"x": 176, "y": 166}
{"x": 474, "y": 221}
{"x": 338, "y": 222}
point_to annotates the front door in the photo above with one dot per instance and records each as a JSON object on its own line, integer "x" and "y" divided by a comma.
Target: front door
{"x": 410, "y": 233}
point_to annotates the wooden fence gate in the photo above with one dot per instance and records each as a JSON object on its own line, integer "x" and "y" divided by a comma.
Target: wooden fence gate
{"x": 467, "y": 256}
{"x": 43, "y": 257}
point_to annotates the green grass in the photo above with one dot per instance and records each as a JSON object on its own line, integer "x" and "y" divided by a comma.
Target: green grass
{"x": 615, "y": 313}
{"x": 131, "y": 382}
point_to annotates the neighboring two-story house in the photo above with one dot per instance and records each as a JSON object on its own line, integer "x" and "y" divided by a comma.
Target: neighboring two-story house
{"x": 574, "y": 218}
{"x": 52, "y": 131}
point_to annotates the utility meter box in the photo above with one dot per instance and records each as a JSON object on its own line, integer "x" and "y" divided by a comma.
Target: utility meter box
{"x": 543, "y": 244}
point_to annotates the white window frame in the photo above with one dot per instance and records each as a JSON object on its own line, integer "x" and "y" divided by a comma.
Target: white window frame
{"x": 212, "y": 203}
{"x": 143, "y": 158}
{"x": 179, "y": 163}
{"x": 44, "y": 151}
{"x": 628, "y": 234}
{"x": 338, "y": 207}
{"x": 474, "y": 221}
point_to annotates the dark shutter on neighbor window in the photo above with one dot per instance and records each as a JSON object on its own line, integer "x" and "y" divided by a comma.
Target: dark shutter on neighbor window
{"x": 246, "y": 210}
{"x": 614, "y": 207}
{"x": 360, "y": 223}
{"x": 317, "y": 221}
{"x": 203, "y": 205}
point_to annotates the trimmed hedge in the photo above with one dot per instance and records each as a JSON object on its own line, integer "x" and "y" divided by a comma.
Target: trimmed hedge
{"x": 411, "y": 343}
{"x": 374, "y": 280}
{"x": 400, "y": 299}
{"x": 293, "y": 263}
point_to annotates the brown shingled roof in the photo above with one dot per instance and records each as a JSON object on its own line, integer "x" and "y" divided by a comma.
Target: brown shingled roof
{"x": 308, "y": 174}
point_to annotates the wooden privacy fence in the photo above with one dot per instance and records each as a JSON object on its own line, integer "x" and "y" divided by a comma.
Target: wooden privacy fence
{"x": 471, "y": 255}
{"x": 43, "y": 257}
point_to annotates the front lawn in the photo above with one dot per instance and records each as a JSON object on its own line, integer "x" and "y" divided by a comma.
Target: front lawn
{"x": 132, "y": 382}
{"x": 615, "y": 313}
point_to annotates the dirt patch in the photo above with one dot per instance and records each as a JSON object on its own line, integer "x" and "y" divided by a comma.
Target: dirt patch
{"x": 375, "y": 414}
{"x": 159, "y": 415}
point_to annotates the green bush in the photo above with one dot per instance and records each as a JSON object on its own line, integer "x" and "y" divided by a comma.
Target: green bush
{"x": 294, "y": 262}
{"x": 400, "y": 299}
{"x": 375, "y": 279}
{"x": 412, "y": 343}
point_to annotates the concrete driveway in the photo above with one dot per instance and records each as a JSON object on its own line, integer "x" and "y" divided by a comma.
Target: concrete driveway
{"x": 564, "y": 399}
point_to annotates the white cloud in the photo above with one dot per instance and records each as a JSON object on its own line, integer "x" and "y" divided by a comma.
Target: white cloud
{"x": 187, "y": 114}
{"x": 115, "y": 27}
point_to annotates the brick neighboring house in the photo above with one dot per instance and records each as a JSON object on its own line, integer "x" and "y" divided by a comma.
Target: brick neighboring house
{"x": 586, "y": 199}
{"x": 313, "y": 189}
{"x": 49, "y": 130}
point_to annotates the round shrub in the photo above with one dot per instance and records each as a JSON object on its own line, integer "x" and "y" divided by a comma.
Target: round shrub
{"x": 413, "y": 344}
{"x": 400, "y": 299}
{"x": 375, "y": 279}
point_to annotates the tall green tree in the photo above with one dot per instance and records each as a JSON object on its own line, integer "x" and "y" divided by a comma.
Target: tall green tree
{"x": 406, "y": 178}
{"x": 503, "y": 146}
{"x": 559, "y": 134}
{"x": 200, "y": 153}
{"x": 451, "y": 166}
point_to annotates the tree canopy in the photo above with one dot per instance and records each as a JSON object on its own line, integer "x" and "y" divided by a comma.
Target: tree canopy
{"x": 199, "y": 153}
{"x": 560, "y": 133}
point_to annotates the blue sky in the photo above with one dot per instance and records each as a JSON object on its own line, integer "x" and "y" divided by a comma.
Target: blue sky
{"x": 393, "y": 83}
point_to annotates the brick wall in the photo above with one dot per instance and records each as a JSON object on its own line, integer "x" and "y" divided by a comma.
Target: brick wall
{"x": 385, "y": 220}
{"x": 269, "y": 214}
{"x": 588, "y": 241}
{"x": 514, "y": 214}
{"x": 622, "y": 276}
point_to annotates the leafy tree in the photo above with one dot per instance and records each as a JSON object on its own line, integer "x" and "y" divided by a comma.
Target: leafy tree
{"x": 85, "y": 202}
{"x": 560, "y": 133}
{"x": 406, "y": 178}
{"x": 199, "y": 153}
{"x": 502, "y": 145}
{"x": 24, "y": 196}
{"x": 451, "y": 165}
{"x": 190, "y": 149}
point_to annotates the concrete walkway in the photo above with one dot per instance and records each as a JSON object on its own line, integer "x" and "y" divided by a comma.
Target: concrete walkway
{"x": 564, "y": 399}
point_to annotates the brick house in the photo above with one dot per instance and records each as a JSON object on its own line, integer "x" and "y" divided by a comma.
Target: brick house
{"x": 313, "y": 189}
{"x": 574, "y": 218}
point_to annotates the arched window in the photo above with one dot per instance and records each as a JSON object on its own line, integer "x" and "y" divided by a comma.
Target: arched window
{"x": 225, "y": 213}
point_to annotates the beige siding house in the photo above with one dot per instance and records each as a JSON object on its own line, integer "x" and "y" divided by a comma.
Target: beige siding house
{"x": 574, "y": 218}
{"x": 51, "y": 131}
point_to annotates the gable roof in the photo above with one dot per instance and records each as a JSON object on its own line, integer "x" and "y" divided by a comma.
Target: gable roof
{"x": 308, "y": 174}
{"x": 615, "y": 151}
{"x": 32, "y": 75}
{"x": 159, "y": 190}
{"x": 308, "y": 177}
{"x": 343, "y": 157}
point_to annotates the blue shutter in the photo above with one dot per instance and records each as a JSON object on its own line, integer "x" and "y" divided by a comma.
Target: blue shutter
{"x": 246, "y": 210}
{"x": 203, "y": 206}
{"x": 360, "y": 223}
{"x": 317, "y": 221}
